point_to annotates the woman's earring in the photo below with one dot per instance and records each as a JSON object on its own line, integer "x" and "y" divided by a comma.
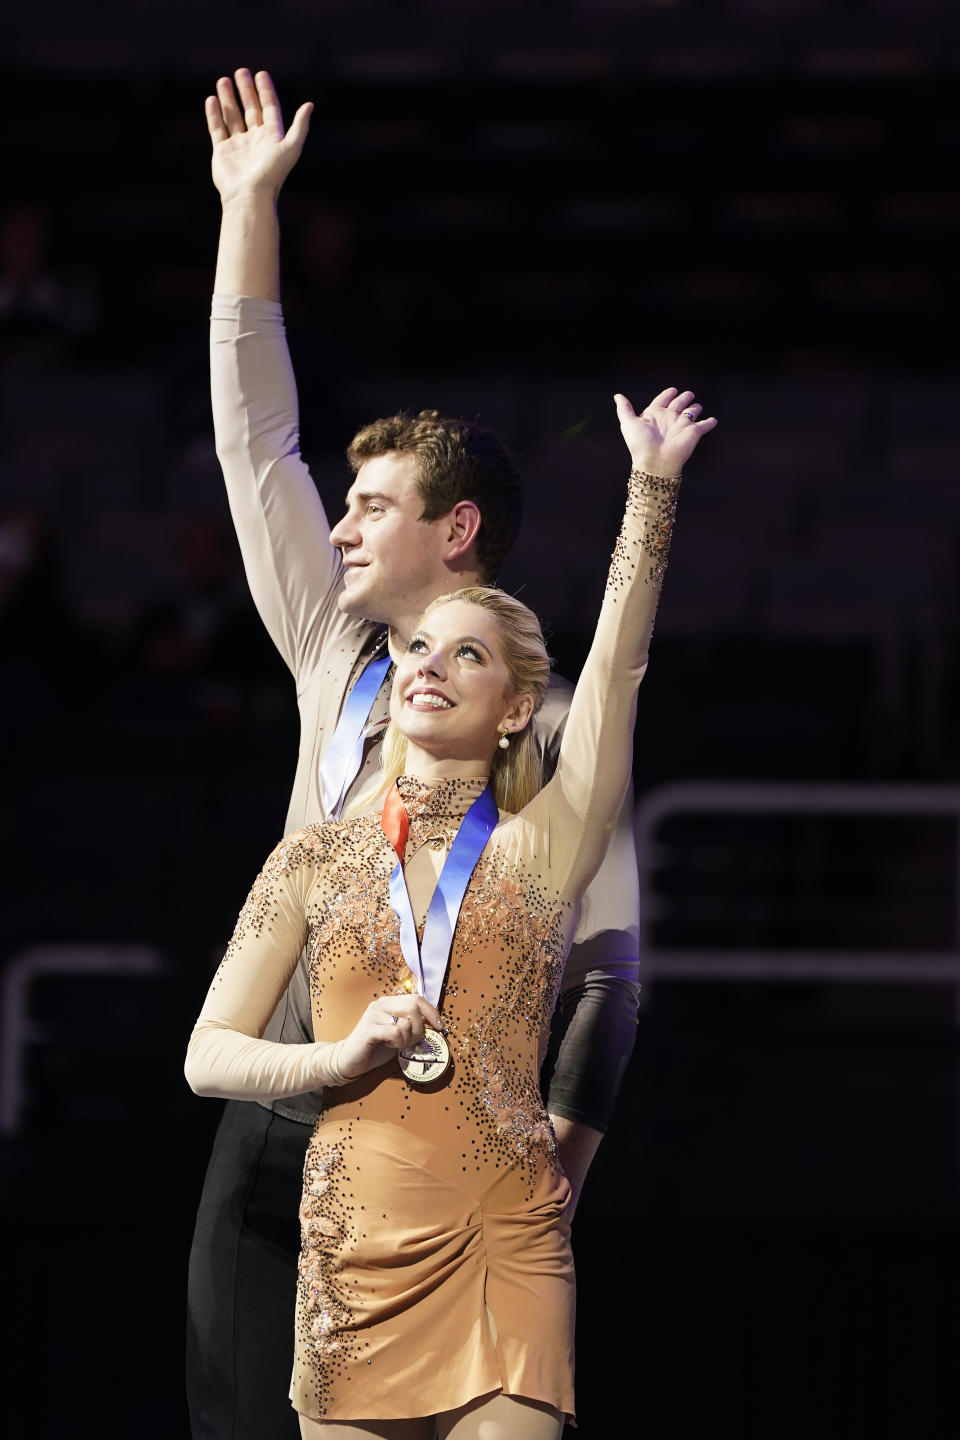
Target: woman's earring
{"x": 504, "y": 739}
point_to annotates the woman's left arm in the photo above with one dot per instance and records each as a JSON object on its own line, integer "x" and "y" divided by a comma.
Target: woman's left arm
{"x": 226, "y": 1056}
{"x": 597, "y": 748}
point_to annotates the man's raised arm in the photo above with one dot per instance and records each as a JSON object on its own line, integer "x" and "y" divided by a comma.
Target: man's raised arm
{"x": 293, "y": 571}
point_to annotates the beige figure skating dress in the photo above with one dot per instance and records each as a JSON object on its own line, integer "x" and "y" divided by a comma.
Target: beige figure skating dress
{"x": 427, "y": 1211}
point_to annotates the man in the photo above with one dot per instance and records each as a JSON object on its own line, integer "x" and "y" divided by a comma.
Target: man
{"x": 433, "y": 507}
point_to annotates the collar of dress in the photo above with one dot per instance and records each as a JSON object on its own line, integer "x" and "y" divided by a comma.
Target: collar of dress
{"x": 436, "y": 806}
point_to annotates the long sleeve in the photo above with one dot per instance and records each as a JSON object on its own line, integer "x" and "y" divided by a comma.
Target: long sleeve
{"x": 294, "y": 573}
{"x": 575, "y": 812}
{"x": 225, "y": 1055}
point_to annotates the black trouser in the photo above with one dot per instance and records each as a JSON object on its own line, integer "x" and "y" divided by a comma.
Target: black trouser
{"x": 243, "y": 1277}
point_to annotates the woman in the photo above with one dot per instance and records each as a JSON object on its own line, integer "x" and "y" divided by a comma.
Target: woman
{"x": 436, "y": 1281}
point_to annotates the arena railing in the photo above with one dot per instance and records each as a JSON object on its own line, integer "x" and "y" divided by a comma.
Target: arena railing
{"x": 20, "y": 1030}
{"x": 923, "y": 964}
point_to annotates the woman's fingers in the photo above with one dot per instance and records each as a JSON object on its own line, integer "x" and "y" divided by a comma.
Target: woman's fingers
{"x": 680, "y": 401}
{"x": 403, "y": 1031}
{"x": 384, "y": 1030}
{"x": 678, "y": 404}
{"x": 663, "y": 399}
{"x": 389, "y": 1024}
{"x": 409, "y": 1015}
{"x": 400, "y": 1020}
{"x": 666, "y": 432}
{"x": 672, "y": 400}
{"x": 429, "y": 1014}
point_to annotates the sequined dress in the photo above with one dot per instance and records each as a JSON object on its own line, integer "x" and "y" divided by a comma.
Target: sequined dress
{"x": 430, "y": 1212}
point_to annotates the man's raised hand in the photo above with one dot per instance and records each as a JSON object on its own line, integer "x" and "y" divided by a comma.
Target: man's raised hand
{"x": 251, "y": 153}
{"x": 662, "y": 437}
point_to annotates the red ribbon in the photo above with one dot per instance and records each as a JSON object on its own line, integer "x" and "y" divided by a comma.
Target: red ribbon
{"x": 395, "y": 822}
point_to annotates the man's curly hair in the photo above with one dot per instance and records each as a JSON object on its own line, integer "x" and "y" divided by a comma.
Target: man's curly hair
{"x": 456, "y": 460}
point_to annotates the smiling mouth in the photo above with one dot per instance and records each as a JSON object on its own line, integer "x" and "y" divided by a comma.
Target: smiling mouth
{"x": 425, "y": 700}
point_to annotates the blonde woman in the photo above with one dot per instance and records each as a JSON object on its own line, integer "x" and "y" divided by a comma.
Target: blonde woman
{"x": 436, "y": 1292}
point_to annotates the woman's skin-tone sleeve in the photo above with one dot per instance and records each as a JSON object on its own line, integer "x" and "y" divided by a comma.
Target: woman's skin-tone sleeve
{"x": 575, "y": 812}
{"x": 225, "y": 1055}
{"x": 293, "y": 571}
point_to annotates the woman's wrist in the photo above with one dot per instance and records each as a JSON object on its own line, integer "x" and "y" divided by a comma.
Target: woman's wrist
{"x": 655, "y": 478}
{"x": 652, "y": 501}
{"x": 333, "y": 1070}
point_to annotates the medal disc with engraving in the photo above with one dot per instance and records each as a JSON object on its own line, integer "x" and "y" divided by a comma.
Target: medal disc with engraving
{"x": 427, "y": 1060}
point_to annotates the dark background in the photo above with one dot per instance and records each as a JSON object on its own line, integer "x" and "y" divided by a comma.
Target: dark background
{"x": 510, "y": 211}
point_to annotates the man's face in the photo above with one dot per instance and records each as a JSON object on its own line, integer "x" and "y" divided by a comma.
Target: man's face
{"x": 393, "y": 560}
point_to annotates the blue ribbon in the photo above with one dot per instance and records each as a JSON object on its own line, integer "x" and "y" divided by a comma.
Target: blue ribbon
{"x": 428, "y": 960}
{"x": 344, "y": 754}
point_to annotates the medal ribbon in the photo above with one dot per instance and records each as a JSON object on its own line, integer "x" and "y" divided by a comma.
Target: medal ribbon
{"x": 428, "y": 960}
{"x": 344, "y": 755}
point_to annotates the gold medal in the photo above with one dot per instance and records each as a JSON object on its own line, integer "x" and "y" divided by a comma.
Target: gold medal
{"x": 427, "y": 1060}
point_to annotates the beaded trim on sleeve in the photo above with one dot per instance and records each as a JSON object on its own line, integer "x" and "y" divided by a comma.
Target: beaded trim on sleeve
{"x": 651, "y": 499}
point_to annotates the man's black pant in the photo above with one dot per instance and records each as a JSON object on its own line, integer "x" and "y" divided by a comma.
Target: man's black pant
{"x": 243, "y": 1277}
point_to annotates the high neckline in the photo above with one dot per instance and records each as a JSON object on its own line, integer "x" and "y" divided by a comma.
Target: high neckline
{"x": 439, "y": 800}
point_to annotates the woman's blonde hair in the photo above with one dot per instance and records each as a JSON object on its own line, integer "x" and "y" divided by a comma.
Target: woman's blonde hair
{"x": 516, "y": 774}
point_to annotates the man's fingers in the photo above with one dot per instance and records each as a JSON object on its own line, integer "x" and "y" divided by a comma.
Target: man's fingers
{"x": 702, "y": 426}
{"x": 229, "y": 108}
{"x": 215, "y": 126}
{"x": 300, "y": 125}
{"x": 249, "y": 99}
{"x": 269, "y": 103}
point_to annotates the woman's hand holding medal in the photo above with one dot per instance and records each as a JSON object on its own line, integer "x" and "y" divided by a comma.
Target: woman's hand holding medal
{"x": 388, "y": 1025}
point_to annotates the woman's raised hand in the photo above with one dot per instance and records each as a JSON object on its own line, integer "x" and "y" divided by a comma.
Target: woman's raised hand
{"x": 662, "y": 437}
{"x": 387, "y": 1025}
{"x": 251, "y": 153}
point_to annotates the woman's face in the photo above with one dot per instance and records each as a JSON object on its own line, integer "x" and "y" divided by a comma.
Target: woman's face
{"x": 451, "y": 694}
